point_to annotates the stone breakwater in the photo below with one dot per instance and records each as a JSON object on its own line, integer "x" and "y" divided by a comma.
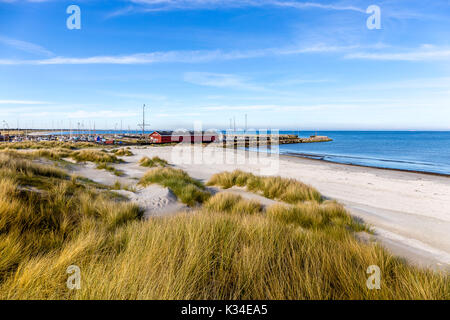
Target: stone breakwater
{"x": 252, "y": 140}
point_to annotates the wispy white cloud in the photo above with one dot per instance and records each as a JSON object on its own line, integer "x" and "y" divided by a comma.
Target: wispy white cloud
{"x": 22, "y": 102}
{"x": 69, "y": 115}
{"x": 12, "y": 1}
{"x": 424, "y": 53}
{"x": 166, "y": 5}
{"x": 387, "y": 104}
{"x": 25, "y": 46}
{"x": 219, "y": 80}
{"x": 111, "y": 114}
{"x": 192, "y": 56}
{"x": 179, "y": 114}
{"x": 279, "y": 108}
{"x": 136, "y": 96}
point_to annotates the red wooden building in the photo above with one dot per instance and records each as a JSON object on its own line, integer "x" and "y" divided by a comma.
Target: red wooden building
{"x": 182, "y": 136}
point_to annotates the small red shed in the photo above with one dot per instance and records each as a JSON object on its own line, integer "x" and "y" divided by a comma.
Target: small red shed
{"x": 182, "y": 136}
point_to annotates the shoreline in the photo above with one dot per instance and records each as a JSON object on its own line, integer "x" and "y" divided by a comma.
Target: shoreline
{"x": 311, "y": 157}
{"x": 295, "y": 155}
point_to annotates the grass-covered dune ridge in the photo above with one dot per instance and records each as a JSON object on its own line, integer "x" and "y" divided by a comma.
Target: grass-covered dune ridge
{"x": 287, "y": 190}
{"x": 47, "y": 145}
{"x": 96, "y": 156}
{"x": 123, "y": 152}
{"x": 102, "y": 158}
{"x": 187, "y": 189}
{"x": 219, "y": 255}
{"x": 153, "y": 162}
{"x": 42, "y": 209}
{"x": 230, "y": 248}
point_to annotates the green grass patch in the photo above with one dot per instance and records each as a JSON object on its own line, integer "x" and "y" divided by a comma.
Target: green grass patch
{"x": 123, "y": 152}
{"x": 47, "y": 145}
{"x": 153, "y": 162}
{"x": 277, "y": 188}
{"x": 230, "y": 203}
{"x": 109, "y": 168}
{"x": 188, "y": 190}
{"x": 96, "y": 156}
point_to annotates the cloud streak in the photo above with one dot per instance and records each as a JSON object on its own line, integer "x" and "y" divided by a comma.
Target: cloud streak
{"x": 22, "y": 102}
{"x": 424, "y": 53}
{"x": 187, "y": 56}
{"x": 25, "y": 46}
{"x": 167, "y": 5}
{"x": 219, "y": 80}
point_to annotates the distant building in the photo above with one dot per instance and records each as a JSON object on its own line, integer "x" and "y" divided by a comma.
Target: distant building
{"x": 182, "y": 136}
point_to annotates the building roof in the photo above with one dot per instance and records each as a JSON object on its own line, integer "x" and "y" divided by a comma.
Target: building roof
{"x": 180, "y": 133}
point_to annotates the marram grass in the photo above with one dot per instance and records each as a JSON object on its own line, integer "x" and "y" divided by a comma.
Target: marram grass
{"x": 153, "y": 162}
{"x": 123, "y": 152}
{"x": 47, "y": 145}
{"x": 96, "y": 156}
{"x": 287, "y": 190}
{"x": 188, "y": 190}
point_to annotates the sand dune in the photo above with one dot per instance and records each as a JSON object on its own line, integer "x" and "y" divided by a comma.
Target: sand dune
{"x": 155, "y": 201}
{"x": 409, "y": 212}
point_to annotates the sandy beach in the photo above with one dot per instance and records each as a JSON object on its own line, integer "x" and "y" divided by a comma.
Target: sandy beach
{"x": 409, "y": 212}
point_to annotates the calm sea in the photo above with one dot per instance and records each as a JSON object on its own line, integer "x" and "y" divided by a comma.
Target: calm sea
{"x": 415, "y": 151}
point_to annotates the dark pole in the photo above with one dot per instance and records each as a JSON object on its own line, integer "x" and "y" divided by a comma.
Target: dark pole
{"x": 143, "y": 120}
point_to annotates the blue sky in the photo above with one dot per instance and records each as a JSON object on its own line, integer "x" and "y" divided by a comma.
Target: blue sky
{"x": 303, "y": 65}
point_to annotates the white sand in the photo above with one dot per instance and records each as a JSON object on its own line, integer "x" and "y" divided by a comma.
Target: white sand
{"x": 155, "y": 200}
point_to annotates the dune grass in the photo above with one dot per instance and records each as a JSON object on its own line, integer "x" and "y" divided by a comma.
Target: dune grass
{"x": 228, "y": 249}
{"x": 218, "y": 255}
{"x": 277, "y": 188}
{"x": 109, "y": 168}
{"x": 123, "y": 152}
{"x": 39, "y": 219}
{"x": 102, "y": 158}
{"x": 96, "y": 156}
{"x": 46, "y": 145}
{"x": 51, "y": 154}
{"x": 314, "y": 215}
{"x": 23, "y": 171}
{"x": 230, "y": 203}
{"x": 188, "y": 190}
{"x": 83, "y": 155}
{"x": 153, "y": 162}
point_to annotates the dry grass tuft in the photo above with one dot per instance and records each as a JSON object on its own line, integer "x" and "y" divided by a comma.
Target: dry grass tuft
{"x": 188, "y": 190}
{"x": 230, "y": 203}
{"x": 96, "y": 156}
{"x": 46, "y": 145}
{"x": 314, "y": 215}
{"x": 153, "y": 162}
{"x": 39, "y": 219}
{"x": 123, "y": 152}
{"x": 287, "y": 190}
{"x": 107, "y": 167}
